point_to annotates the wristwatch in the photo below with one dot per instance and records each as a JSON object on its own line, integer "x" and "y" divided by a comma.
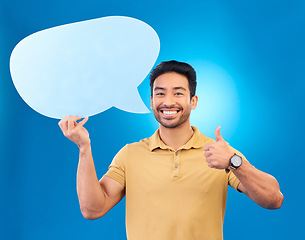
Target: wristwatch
{"x": 235, "y": 162}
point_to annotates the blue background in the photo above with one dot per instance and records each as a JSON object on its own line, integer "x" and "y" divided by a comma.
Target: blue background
{"x": 249, "y": 57}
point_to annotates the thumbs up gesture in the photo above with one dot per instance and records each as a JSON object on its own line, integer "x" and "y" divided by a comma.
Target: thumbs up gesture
{"x": 218, "y": 154}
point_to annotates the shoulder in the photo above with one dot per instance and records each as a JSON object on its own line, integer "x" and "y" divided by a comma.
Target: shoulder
{"x": 207, "y": 140}
{"x": 136, "y": 146}
{"x": 199, "y": 139}
{"x": 140, "y": 146}
{"x": 142, "y": 142}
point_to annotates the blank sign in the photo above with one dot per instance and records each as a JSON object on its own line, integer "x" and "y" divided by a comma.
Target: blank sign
{"x": 85, "y": 68}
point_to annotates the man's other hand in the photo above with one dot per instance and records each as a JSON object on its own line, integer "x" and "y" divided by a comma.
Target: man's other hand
{"x": 218, "y": 154}
{"x": 74, "y": 130}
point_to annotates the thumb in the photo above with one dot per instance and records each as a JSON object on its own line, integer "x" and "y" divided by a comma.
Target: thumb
{"x": 217, "y": 134}
{"x": 82, "y": 123}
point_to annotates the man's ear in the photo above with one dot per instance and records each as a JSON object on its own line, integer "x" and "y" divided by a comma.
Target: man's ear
{"x": 151, "y": 102}
{"x": 194, "y": 101}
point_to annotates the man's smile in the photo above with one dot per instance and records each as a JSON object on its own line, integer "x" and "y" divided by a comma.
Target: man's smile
{"x": 169, "y": 113}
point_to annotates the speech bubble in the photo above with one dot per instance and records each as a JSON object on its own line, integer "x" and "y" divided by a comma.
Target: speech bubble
{"x": 85, "y": 68}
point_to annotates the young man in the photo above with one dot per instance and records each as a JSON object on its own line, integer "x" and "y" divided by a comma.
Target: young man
{"x": 175, "y": 181}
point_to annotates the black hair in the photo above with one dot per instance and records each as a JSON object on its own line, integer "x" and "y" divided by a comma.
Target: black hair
{"x": 173, "y": 66}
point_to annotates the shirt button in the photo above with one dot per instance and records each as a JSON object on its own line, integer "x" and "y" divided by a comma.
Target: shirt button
{"x": 176, "y": 153}
{"x": 176, "y": 166}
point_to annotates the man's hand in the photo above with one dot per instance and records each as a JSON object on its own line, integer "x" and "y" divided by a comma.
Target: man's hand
{"x": 218, "y": 154}
{"x": 74, "y": 130}
{"x": 261, "y": 187}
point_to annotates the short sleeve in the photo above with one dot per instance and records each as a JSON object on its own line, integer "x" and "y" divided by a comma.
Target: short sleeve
{"x": 117, "y": 167}
{"x": 232, "y": 179}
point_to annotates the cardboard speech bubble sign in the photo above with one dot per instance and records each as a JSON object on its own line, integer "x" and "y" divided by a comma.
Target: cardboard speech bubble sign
{"x": 85, "y": 68}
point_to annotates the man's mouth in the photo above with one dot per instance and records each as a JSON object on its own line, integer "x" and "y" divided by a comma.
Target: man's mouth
{"x": 169, "y": 113}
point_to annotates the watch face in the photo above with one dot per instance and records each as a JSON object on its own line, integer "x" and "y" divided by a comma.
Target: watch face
{"x": 236, "y": 160}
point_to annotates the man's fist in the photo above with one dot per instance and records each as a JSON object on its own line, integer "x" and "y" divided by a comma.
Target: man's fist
{"x": 218, "y": 154}
{"x": 74, "y": 130}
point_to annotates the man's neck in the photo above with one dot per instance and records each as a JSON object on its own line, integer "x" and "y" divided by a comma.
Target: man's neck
{"x": 176, "y": 137}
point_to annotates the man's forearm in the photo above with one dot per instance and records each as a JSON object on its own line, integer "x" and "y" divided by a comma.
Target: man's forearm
{"x": 91, "y": 195}
{"x": 261, "y": 187}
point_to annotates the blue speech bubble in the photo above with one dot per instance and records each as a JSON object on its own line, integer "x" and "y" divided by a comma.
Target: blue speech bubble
{"x": 85, "y": 68}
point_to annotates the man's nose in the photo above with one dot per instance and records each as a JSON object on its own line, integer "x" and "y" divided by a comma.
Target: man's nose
{"x": 169, "y": 100}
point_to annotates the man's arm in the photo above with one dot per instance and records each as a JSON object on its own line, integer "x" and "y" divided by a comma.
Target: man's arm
{"x": 261, "y": 187}
{"x": 96, "y": 198}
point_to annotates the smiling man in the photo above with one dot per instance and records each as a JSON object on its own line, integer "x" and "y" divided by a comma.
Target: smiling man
{"x": 176, "y": 181}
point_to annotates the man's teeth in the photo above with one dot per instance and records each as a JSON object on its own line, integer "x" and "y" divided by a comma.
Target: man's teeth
{"x": 169, "y": 112}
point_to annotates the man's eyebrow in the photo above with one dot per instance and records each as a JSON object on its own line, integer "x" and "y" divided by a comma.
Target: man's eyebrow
{"x": 175, "y": 88}
{"x": 179, "y": 88}
{"x": 159, "y": 88}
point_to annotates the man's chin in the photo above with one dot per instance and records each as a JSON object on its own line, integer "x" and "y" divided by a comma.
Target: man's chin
{"x": 170, "y": 124}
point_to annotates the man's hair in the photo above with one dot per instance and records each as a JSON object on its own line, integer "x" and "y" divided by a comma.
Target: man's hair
{"x": 178, "y": 67}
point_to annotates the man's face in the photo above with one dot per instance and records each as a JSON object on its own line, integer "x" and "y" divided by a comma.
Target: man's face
{"x": 170, "y": 101}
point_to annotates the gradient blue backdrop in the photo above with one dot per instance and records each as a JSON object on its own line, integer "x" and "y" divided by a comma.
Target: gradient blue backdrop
{"x": 249, "y": 57}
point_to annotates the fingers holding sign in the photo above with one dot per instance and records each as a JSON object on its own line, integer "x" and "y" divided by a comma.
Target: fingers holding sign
{"x": 218, "y": 154}
{"x": 74, "y": 130}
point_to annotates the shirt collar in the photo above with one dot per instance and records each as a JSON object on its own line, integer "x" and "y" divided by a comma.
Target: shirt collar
{"x": 196, "y": 141}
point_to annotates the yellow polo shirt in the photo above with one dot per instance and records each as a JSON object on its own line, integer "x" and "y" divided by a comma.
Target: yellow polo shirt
{"x": 171, "y": 195}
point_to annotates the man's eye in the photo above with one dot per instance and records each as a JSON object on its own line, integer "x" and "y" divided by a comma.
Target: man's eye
{"x": 178, "y": 93}
{"x": 159, "y": 94}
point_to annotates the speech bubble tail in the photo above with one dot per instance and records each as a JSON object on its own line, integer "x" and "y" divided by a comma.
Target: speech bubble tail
{"x": 131, "y": 103}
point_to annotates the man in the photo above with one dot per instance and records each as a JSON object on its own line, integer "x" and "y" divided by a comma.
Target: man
{"x": 175, "y": 181}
